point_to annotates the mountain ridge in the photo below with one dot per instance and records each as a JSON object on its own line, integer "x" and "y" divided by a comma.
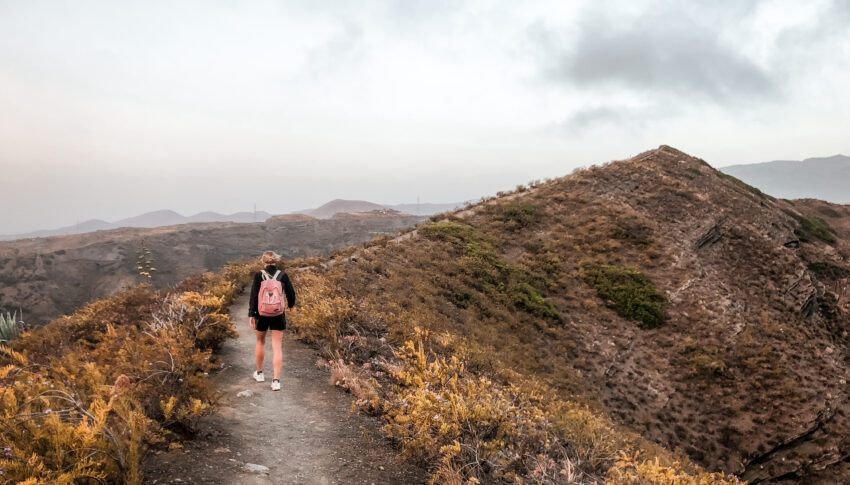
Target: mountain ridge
{"x": 742, "y": 365}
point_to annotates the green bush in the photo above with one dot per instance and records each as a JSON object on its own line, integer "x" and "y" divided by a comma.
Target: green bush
{"x": 515, "y": 215}
{"x": 629, "y": 292}
{"x": 528, "y": 298}
{"x": 813, "y": 227}
{"x": 449, "y": 231}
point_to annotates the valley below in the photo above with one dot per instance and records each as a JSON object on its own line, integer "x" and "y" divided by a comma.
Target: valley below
{"x": 47, "y": 277}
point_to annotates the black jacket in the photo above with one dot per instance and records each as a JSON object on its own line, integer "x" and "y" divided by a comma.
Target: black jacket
{"x": 255, "y": 290}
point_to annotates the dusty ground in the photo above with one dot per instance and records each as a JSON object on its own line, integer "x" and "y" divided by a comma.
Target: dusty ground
{"x": 304, "y": 434}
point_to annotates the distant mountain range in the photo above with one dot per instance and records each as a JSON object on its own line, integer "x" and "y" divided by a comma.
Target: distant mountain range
{"x": 168, "y": 217}
{"x": 149, "y": 219}
{"x": 826, "y": 178}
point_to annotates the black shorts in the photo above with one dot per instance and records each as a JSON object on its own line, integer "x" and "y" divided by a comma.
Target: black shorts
{"x": 271, "y": 323}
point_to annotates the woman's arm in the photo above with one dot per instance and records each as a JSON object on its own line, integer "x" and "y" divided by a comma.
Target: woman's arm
{"x": 289, "y": 291}
{"x": 255, "y": 293}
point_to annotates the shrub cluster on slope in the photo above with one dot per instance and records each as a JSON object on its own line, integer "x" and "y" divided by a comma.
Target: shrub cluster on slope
{"x": 812, "y": 227}
{"x": 84, "y": 396}
{"x": 629, "y": 292}
{"x": 462, "y": 423}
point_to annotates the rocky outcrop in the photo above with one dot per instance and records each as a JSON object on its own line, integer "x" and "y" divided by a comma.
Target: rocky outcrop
{"x": 711, "y": 236}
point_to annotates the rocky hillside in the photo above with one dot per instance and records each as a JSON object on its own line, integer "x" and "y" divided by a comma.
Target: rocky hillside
{"x": 50, "y": 276}
{"x": 686, "y": 305}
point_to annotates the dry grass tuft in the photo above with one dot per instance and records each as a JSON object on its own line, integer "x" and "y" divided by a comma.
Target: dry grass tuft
{"x": 358, "y": 382}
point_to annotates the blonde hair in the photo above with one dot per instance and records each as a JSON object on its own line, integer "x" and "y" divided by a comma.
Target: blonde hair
{"x": 270, "y": 257}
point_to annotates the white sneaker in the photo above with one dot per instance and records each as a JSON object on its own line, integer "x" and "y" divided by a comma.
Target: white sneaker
{"x": 275, "y": 385}
{"x": 259, "y": 377}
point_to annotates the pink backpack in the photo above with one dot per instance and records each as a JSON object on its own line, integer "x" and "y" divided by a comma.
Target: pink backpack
{"x": 271, "y": 300}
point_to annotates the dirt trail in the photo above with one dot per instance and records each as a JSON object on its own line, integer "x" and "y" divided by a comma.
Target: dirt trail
{"x": 304, "y": 434}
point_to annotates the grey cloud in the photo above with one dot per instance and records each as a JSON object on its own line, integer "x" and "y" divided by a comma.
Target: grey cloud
{"x": 663, "y": 51}
{"x": 586, "y": 117}
{"x": 625, "y": 117}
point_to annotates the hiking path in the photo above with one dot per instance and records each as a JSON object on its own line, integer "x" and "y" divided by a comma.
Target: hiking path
{"x": 303, "y": 434}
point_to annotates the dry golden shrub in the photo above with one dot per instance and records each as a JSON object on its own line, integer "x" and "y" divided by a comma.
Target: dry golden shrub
{"x": 630, "y": 470}
{"x": 477, "y": 429}
{"x": 82, "y": 398}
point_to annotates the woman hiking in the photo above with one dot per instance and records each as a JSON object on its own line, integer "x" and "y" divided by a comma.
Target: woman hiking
{"x": 266, "y": 311}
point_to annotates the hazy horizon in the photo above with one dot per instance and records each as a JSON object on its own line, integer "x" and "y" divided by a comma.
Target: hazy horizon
{"x": 248, "y": 211}
{"x": 114, "y": 109}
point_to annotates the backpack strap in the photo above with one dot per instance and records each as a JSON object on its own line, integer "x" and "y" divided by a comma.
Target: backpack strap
{"x": 265, "y": 275}
{"x": 277, "y": 273}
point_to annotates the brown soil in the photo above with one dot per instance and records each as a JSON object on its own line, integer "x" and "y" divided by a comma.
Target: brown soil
{"x": 304, "y": 434}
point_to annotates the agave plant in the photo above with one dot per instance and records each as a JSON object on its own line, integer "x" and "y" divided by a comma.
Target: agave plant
{"x": 10, "y": 326}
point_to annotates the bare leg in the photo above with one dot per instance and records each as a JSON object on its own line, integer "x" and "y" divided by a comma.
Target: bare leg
{"x": 277, "y": 348}
{"x": 259, "y": 350}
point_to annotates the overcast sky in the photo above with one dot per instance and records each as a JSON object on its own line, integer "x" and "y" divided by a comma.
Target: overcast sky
{"x": 109, "y": 109}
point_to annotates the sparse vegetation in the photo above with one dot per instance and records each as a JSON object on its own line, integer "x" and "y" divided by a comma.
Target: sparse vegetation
{"x": 704, "y": 362}
{"x": 829, "y": 211}
{"x": 632, "y": 229}
{"x": 629, "y": 292}
{"x": 694, "y": 171}
{"x": 467, "y": 427}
